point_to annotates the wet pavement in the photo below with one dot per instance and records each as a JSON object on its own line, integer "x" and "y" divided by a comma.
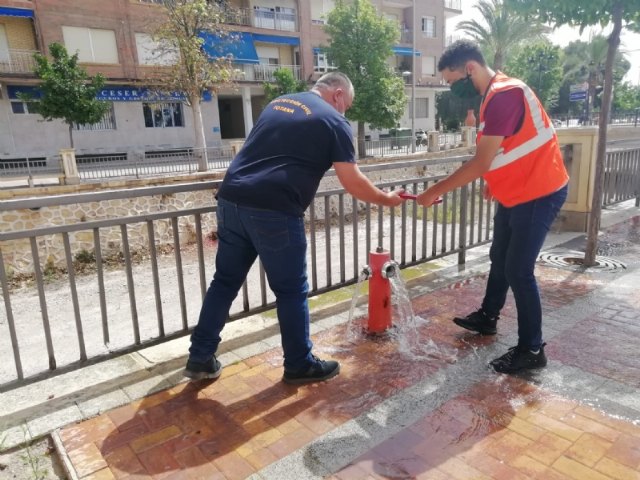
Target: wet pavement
{"x": 390, "y": 416}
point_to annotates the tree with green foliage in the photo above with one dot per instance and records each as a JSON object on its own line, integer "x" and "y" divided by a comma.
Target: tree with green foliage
{"x": 620, "y": 14}
{"x": 186, "y": 67}
{"x": 361, "y": 42}
{"x": 67, "y": 92}
{"x": 626, "y": 97}
{"x": 285, "y": 83}
{"x": 539, "y": 66}
{"x": 452, "y": 110}
{"x": 500, "y": 30}
{"x": 584, "y": 63}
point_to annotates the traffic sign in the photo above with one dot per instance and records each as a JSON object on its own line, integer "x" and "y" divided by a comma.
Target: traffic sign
{"x": 577, "y": 96}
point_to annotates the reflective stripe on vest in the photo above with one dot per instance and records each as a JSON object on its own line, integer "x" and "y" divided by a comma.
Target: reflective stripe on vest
{"x": 543, "y": 134}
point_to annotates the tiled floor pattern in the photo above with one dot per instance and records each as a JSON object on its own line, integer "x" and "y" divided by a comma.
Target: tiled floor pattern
{"x": 504, "y": 428}
{"x": 508, "y": 430}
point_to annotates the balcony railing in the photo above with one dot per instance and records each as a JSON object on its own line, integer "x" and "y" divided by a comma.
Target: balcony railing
{"x": 453, "y": 4}
{"x": 20, "y": 61}
{"x": 264, "y": 73}
{"x": 262, "y": 19}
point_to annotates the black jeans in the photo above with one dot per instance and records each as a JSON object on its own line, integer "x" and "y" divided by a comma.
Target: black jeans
{"x": 518, "y": 235}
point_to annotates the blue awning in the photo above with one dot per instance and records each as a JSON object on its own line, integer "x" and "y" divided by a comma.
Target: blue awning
{"x": 406, "y": 51}
{"x": 257, "y": 37}
{"x": 238, "y": 45}
{"x": 15, "y": 12}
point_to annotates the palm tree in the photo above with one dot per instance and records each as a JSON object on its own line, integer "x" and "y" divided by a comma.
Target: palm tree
{"x": 500, "y": 30}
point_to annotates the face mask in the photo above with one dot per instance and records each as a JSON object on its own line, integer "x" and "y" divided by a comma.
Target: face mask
{"x": 464, "y": 88}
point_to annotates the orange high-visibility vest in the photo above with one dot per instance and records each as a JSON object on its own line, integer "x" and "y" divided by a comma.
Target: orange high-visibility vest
{"x": 528, "y": 164}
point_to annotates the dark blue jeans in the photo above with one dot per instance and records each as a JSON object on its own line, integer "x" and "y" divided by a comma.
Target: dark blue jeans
{"x": 280, "y": 242}
{"x": 518, "y": 236}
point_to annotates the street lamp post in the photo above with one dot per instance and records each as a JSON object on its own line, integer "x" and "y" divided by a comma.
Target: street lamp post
{"x": 413, "y": 79}
{"x": 541, "y": 59}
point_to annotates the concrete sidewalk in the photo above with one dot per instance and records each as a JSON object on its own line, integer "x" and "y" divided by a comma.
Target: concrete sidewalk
{"x": 385, "y": 415}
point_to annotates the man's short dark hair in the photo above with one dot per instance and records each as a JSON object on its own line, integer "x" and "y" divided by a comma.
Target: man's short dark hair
{"x": 456, "y": 55}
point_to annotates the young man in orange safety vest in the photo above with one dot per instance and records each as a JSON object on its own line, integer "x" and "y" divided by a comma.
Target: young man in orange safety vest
{"x": 518, "y": 156}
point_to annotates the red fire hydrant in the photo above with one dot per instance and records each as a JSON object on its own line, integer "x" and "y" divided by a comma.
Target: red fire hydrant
{"x": 380, "y": 268}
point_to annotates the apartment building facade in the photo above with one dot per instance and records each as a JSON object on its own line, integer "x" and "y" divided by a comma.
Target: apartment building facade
{"x": 112, "y": 37}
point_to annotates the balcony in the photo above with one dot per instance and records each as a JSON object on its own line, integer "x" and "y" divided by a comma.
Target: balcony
{"x": 452, "y": 8}
{"x": 264, "y": 73}
{"x": 453, "y": 5}
{"x": 19, "y": 61}
{"x": 263, "y": 17}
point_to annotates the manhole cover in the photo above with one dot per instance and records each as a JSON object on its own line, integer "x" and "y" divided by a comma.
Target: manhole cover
{"x": 573, "y": 260}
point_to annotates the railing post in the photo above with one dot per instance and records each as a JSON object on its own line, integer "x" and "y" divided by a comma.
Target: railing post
{"x": 434, "y": 141}
{"x": 462, "y": 237}
{"x": 29, "y": 175}
{"x": 69, "y": 166}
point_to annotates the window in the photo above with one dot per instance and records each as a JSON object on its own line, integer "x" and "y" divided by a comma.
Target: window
{"x": 93, "y": 45}
{"x": 422, "y": 108}
{"x": 108, "y": 122}
{"x": 268, "y": 55}
{"x": 429, "y": 65}
{"x": 151, "y": 52}
{"x": 21, "y": 107}
{"x": 320, "y": 9}
{"x": 159, "y": 115}
{"x": 321, "y": 63}
{"x": 429, "y": 26}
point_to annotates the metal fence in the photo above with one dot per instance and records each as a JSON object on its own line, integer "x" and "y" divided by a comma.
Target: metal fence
{"x": 621, "y": 176}
{"x": 31, "y": 167}
{"x": 117, "y": 297}
{"x": 143, "y": 164}
{"x": 389, "y": 146}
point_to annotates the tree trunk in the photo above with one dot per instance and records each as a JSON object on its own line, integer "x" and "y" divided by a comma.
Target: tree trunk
{"x": 71, "y": 135}
{"x": 198, "y": 125}
{"x": 362, "y": 150}
{"x": 596, "y": 204}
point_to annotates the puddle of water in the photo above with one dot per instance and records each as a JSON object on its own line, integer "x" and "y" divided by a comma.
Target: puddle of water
{"x": 406, "y": 325}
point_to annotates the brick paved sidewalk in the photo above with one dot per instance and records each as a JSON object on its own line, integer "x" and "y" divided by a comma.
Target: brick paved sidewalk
{"x": 389, "y": 417}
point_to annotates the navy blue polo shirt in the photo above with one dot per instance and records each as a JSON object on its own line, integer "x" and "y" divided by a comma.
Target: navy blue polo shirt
{"x": 294, "y": 142}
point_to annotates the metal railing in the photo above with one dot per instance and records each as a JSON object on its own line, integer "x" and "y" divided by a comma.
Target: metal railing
{"x": 621, "y": 176}
{"x": 145, "y": 164}
{"x": 262, "y": 18}
{"x": 31, "y": 167}
{"x": 264, "y": 73}
{"x": 133, "y": 297}
{"x": 20, "y": 61}
{"x": 453, "y": 4}
{"x": 621, "y": 119}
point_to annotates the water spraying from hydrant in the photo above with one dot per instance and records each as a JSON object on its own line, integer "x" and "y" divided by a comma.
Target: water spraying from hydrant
{"x": 380, "y": 269}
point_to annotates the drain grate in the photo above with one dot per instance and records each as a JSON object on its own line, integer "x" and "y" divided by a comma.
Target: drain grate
{"x": 573, "y": 260}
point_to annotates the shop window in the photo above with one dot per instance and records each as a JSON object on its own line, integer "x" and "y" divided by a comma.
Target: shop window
{"x": 108, "y": 122}
{"x": 160, "y": 115}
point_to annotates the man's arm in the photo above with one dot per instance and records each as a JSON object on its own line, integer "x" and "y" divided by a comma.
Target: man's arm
{"x": 485, "y": 153}
{"x": 358, "y": 185}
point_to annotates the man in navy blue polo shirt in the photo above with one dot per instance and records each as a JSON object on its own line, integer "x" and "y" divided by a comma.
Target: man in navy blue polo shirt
{"x": 261, "y": 204}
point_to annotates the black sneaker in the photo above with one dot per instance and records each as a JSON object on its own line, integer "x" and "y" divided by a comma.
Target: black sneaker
{"x": 478, "y": 321}
{"x": 318, "y": 371}
{"x": 198, "y": 370}
{"x": 519, "y": 358}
